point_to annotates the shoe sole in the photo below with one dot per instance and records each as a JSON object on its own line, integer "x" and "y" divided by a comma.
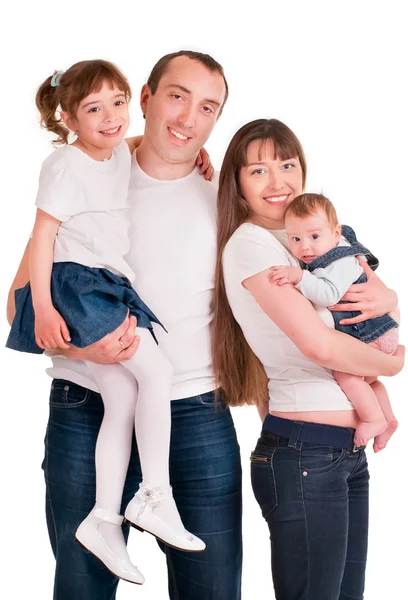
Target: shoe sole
{"x": 158, "y": 538}
{"x": 106, "y": 567}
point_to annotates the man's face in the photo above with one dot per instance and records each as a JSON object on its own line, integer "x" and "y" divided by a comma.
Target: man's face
{"x": 182, "y": 113}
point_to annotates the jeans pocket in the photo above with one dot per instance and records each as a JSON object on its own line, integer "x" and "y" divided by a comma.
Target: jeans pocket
{"x": 212, "y": 401}
{"x": 317, "y": 459}
{"x": 65, "y": 394}
{"x": 263, "y": 481}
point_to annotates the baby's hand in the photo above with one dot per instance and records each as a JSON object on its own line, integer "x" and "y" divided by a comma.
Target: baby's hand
{"x": 282, "y": 275}
{"x": 51, "y": 330}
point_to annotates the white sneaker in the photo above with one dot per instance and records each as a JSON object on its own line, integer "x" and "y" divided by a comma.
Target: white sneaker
{"x": 140, "y": 513}
{"x": 88, "y": 536}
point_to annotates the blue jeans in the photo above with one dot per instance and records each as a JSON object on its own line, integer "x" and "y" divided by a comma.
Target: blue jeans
{"x": 314, "y": 498}
{"x": 205, "y": 473}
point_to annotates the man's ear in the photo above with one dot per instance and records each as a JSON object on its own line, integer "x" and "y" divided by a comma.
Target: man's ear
{"x": 144, "y": 96}
{"x": 69, "y": 121}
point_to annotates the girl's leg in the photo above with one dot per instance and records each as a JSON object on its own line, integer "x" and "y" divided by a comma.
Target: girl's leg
{"x": 101, "y": 531}
{"x": 153, "y": 508}
{"x": 152, "y": 419}
{"x": 364, "y": 400}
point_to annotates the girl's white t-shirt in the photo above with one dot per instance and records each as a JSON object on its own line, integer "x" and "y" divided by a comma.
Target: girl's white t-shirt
{"x": 295, "y": 383}
{"x": 90, "y": 198}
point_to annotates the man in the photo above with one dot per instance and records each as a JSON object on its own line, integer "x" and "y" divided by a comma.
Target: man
{"x": 173, "y": 238}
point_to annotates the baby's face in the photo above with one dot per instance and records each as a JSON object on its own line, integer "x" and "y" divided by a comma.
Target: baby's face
{"x": 311, "y": 236}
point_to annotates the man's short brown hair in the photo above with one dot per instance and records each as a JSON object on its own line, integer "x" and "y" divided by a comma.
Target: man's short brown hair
{"x": 206, "y": 60}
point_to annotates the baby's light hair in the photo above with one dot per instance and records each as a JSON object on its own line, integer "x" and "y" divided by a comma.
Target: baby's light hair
{"x": 307, "y": 205}
{"x": 75, "y": 84}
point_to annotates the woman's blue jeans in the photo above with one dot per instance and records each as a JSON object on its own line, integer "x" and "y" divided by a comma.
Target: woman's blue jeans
{"x": 314, "y": 498}
{"x": 205, "y": 473}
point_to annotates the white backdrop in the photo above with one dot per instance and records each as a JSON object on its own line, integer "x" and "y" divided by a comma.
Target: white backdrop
{"x": 334, "y": 72}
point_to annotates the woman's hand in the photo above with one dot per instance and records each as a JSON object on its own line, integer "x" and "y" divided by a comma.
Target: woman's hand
{"x": 372, "y": 299}
{"x": 50, "y": 329}
{"x": 203, "y": 161}
{"x": 118, "y": 345}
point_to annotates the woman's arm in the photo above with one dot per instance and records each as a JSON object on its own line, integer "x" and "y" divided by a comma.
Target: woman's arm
{"x": 296, "y": 317}
{"x": 50, "y": 328}
{"x": 372, "y": 299}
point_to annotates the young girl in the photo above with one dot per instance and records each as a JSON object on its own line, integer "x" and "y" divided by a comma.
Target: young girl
{"x": 329, "y": 254}
{"x": 80, "y": 290}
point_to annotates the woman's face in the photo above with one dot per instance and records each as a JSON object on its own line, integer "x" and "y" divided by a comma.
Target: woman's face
{"x": 269, "y": 184}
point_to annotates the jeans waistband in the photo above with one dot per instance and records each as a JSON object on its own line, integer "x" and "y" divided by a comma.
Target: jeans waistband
{"x": 314, "y": 433}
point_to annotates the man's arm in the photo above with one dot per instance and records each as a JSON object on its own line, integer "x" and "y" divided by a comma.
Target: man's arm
{"x": 22, "y": 277}
{"x": 296, "y": 317}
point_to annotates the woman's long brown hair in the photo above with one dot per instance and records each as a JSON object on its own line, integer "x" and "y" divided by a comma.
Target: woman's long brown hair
{"x": 238, "y": 371}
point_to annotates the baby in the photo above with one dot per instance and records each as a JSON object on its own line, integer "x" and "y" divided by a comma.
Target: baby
{"x": 329, "y": 253}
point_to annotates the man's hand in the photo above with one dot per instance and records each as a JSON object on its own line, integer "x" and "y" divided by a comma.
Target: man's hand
{"x": 203, "y": 161}
{"x": 50, "y": 329}
{"x": 372, "y": 299}
{"x": 118, "y": 345}
{"x": 282, "y": 275}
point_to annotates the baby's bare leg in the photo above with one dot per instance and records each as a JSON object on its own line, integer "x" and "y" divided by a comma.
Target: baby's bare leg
{"x": 387, "y": 343}
{"x": 364, "y": 400}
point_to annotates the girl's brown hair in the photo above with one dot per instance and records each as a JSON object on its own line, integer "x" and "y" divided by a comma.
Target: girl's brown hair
{"x": 237, "y": 370}
{"x": 75, "y": 84}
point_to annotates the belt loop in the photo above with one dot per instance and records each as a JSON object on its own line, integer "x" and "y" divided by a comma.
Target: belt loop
{"x": 294, "y": 434}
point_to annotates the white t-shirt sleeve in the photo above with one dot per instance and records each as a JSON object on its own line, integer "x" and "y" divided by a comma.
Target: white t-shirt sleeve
{"x": 325, "y": 287}
{"x": 59, "y": 193}
{"x": 250, "y": 253}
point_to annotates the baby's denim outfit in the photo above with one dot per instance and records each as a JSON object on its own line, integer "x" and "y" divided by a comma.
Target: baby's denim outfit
{"x": 367, "y": 331}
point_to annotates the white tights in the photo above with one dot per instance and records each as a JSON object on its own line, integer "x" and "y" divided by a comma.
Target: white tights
{"x": 136, "y": 396}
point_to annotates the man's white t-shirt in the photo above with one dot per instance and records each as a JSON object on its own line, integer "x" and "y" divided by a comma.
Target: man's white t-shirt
{"x": 295, "y": 383}
{"x": 173, "y": 254}
{"x": 90, "y": 198}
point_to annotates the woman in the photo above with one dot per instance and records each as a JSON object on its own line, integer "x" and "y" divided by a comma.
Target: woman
{"x": 309, "y": 479}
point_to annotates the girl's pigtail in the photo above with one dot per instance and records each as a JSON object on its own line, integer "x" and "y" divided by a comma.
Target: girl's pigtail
{"x": 47, "y": 100}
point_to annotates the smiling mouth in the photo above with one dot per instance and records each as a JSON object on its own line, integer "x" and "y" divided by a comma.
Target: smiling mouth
{"x": 179, "y": 135}
{"x": 111, "y": 132}
{"x": 276, "y": 199}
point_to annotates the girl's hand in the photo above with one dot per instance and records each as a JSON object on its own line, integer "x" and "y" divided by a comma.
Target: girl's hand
{"x": 203, "y": 161}
{"x": 51, "y": 330}
{"x": 372, "y": 299}
{"x": 282, "y": 275}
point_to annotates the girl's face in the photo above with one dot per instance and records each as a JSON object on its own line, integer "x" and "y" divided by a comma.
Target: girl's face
{"x": 101, "y": 121}
{"x": 269, "y": 184}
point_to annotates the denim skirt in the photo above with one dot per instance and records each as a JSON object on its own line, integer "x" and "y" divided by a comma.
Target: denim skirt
{"x": 92, "y": 302}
